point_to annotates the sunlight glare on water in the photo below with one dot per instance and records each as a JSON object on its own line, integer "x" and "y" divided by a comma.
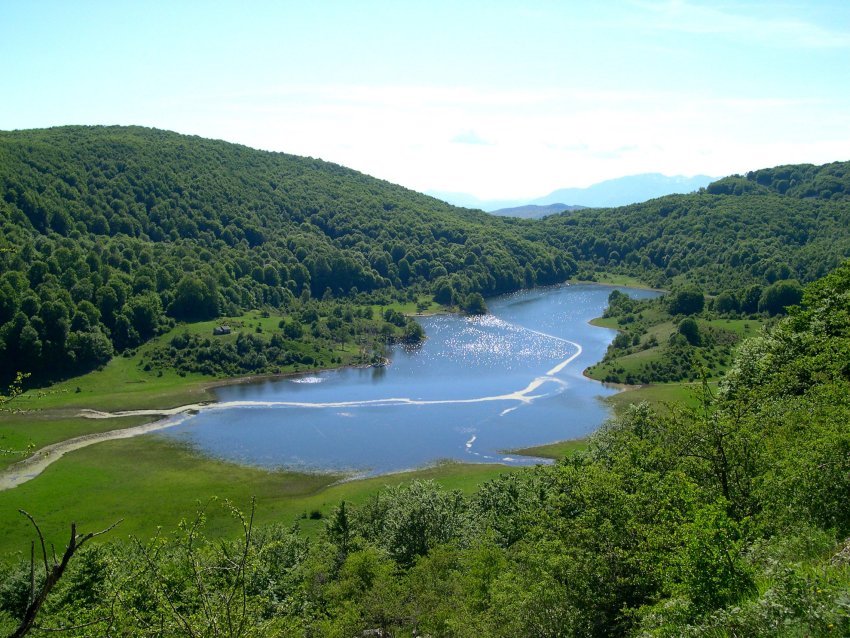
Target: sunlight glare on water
{"x": 475, "y": 389}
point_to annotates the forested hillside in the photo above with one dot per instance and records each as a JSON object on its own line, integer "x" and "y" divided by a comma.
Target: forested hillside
{"x": 728, "y": 520}
{"x": 789, "y": 222}
{"x": 803, "y": 181}
{"x": 109, "y": 233}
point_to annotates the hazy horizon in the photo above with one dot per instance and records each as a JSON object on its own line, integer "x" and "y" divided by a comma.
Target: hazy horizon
{"x": 495, "y": 100}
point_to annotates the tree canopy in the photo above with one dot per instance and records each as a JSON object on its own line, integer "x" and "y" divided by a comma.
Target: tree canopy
{"x": 106, "y": 233}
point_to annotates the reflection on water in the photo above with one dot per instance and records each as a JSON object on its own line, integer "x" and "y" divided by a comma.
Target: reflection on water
{"x": 476, "y": 387}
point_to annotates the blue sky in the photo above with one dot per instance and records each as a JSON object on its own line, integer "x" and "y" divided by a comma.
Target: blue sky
{"x": 497, "y": 99}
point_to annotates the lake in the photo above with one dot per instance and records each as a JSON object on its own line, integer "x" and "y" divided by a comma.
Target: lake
{"x": 475, "y": 389}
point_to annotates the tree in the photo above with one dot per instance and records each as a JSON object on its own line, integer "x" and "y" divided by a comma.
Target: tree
{"x": 52, "y": 572}
{"x": 124, "y": 335}
{"x": 689, "y": 329}
{"x": 443, "y": 292}
{"x": 413, "y": 332}
{"x": 712, "y": 563}
{"x": 411, "y": 519}
{"x": 779, "y": 296}
{"x": 90, "y": 348}
{"x": 686, "y": 301}
{"x": 144, "y": 312}
{"x": 750, "y": 299}
{"x": 195, "y": 299}
{"x": 474, "y": 304}
{"x": 726, "y": 302}
{"x": 29, "y": 345}
{"x": 339, "y": 529}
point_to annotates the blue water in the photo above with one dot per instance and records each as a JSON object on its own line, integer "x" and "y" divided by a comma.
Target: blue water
{"x": 476, "y": 388}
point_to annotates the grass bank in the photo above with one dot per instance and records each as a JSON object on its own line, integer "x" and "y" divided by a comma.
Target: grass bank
{"x": 659, "y": 395}
{"x": 555, "y": 451}
{"x": 22, "y": 434}
{"x": 151, "y": 483}
{"x": 613, "y": 279}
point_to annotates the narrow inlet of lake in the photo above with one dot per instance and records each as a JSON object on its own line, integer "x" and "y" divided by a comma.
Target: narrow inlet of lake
{"x": 476, "y": 387}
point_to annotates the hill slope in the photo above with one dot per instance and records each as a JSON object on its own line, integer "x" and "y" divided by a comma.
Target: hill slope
{"x": 726, "y": 237}
{"x": 803, "y": 181}
{"x": 106, "y": 230}
{"x": 110, "y": 234}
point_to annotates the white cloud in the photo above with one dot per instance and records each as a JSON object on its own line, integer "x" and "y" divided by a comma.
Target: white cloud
{"x": 689, "y": 17}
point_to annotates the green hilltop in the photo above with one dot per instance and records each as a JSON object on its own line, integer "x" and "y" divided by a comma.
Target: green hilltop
{"x": 110, "y": 235}
{"x": 723, "y": 238}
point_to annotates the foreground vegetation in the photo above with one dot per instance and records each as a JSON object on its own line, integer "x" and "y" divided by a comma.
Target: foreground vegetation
{"x": 727, "y": 519}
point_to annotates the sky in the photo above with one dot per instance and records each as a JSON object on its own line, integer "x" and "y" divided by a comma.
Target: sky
{"x": 496, "y": 99}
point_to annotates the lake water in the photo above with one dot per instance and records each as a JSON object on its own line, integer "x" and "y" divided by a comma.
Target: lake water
{"x": 476, "y": 388}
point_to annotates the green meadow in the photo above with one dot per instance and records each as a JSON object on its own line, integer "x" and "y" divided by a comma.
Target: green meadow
{"x": 152, "y": 483}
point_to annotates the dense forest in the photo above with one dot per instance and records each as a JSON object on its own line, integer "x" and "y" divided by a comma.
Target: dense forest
{"x": 785, "y": 223}
{"x": 727, "y": 520}
{"x": 112, "y": 235}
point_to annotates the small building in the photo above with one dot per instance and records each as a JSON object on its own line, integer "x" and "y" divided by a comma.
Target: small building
{"x": 221, "y": 330}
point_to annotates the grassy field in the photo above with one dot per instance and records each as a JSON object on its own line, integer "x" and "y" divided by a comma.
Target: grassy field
{"x": 652, "y": 316}
{"x": 20, "y": 434}
{"x": 425, "y": 305}
{"x": 634, "y": 363}
{"x": 553, "y": 450}
{"x": 659, "y": 395}
{"x": 120, "y": 385}
{"x": 153, "y": 483}
{"x": 614, "y": 279}
{"x": 741, "y": 327}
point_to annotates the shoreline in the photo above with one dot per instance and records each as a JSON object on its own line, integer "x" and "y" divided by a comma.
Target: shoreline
{"x": 549, "y": 451}
{"x": 636, "y": 285}
{"x": 30, "y": 467}
{"x": 622, "y": 387}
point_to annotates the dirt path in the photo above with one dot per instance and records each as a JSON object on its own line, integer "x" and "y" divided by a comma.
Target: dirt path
{"x": 29, "y": 468}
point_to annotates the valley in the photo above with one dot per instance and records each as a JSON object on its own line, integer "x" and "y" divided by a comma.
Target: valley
{"x": 145, "y": 272}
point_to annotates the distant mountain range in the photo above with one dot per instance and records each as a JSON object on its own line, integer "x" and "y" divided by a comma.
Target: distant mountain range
{"x": 621, "y": 191}
{"x": 534, "y": 211}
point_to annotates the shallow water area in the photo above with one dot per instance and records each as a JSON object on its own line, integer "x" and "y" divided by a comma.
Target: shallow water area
{"x": 476, "y": 387}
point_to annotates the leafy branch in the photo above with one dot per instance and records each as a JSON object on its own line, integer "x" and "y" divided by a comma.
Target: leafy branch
{"x": 54, "y": 568}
